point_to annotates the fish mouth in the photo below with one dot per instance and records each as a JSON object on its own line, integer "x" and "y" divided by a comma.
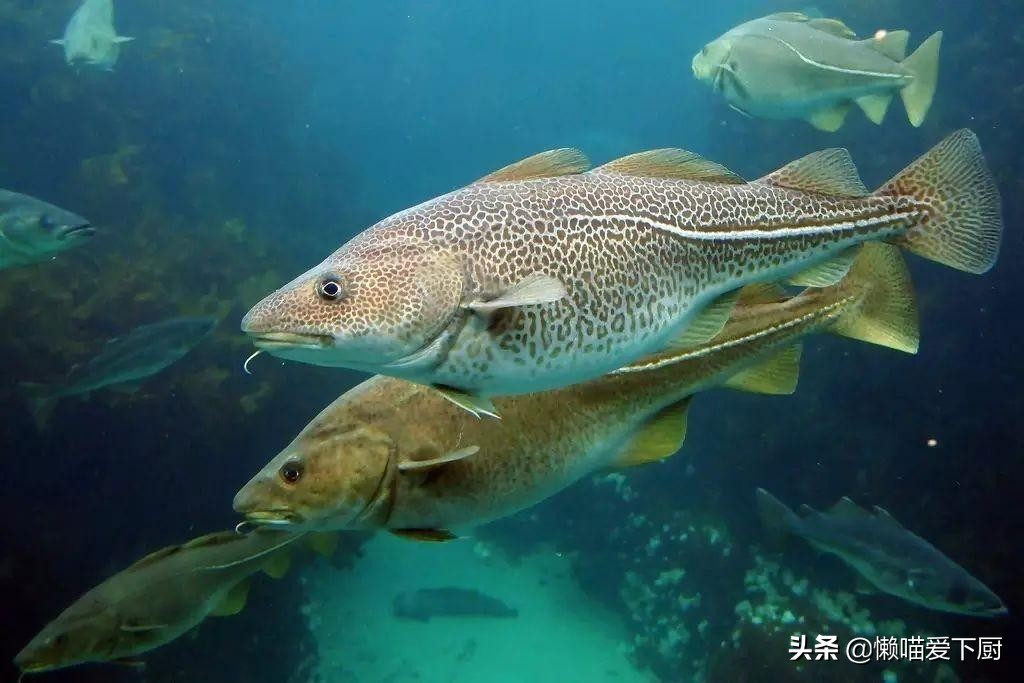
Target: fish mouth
{"x": 274, "y": 517}
{"x": 291, "y": 340}
{"x": 75, "y": 231}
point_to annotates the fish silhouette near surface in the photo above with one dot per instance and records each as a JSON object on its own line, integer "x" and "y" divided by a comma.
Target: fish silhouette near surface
{"x": 157, "y": 599}
{"x": 789, "y": 66}
{"x": 90, "y": 36}
{"x": 396, "y": 456}
{"x": 32, "y": 230}
{"x": 886, "y": 554}
{"x": 543, "y": 275}
{"x": 143, "y": 352}
{"x": 428, "y": 603}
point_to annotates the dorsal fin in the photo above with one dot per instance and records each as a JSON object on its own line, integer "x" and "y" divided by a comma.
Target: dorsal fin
{"x": 833, "y": 26}
{"x": 883, "y": 515}
{"x": 671, "y": 163}
{"x": 829, "y": 171}
{"x": 847, "y": 508}
{"x": 777, "y": 375}
{"x": 658, "y": 438}
{"x": 216, "y": 538}
{"x": 789, "y": 16}
{"x": 156, "y": 556}
{"x": 892, "y": 44}
{"x": 554, "y": 162}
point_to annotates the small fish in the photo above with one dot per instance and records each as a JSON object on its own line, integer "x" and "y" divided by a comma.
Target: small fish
{"x": 542, "y": 275}
{"x": 790, "y": 66}
{"x": 90, "y": 36}
{"x": 143, "y": 352}
{"x": 32, "y": 230}
{"x": 397, "y": 456}
{"x": 427, "y": 603}
{"x": 886, "y": 554}
{"x": 157, "y": 599}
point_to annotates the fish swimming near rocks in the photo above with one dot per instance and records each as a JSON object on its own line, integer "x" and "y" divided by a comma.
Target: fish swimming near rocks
{"x": 32, "y": 230}
{"x": 790, "y": 66}
{"x": 886, "y": 554}
{"x": 157, "y": 599}
{"x": 90, "y": 36}
{"x": 396, "y": 456}
{"x": 428, "y": 603}
{"x": 143, "y": 352}
{"x": 542, "y": 275}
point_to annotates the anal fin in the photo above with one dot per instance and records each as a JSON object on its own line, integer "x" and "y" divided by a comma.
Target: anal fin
{"x": 708, "y": 323}
{"x": 874, "y": 106}
{"x": 658, "y": 438}
{"x": 826, "y": 273}
{"x": 777, "y": 375}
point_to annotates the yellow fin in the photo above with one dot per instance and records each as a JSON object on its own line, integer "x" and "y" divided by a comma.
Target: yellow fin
{"x": 426, "y": 535}
{"x": 892, "y": 44}
{"x": 833, "y": 26}
{"x": 827, "y": 273}
{"x": 777, "y": 375}
{"x": 322, "y": 543}
{"x": 658, "y": 438}
{"x": 923, "y": 65}
{"x": 708, "y": 323}
{"x": 874, "y": 106}
{"x": 963, "y": 227}
{"x": 277, "y": 564}
{"x": 555, "y": 162}
{"x": 761, "y": 293}
{"x": 671, "y": 163}
{"x": 887, "y": 314}
{"x": 829, "y": 171}
{"x": 233, "y": 601}
{"x": 408, "y": 465}
{"x": 831, "y": 119}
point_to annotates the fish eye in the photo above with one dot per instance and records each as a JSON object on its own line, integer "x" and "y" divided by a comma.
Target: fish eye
{"x": 47, "y": 223}
{"x": 291, "y": 471}
{"x": 329, "y": 288}
{"x": 60, "y": 640}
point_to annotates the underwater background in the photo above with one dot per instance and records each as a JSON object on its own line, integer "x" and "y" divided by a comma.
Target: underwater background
{"x": 239, "y": 142}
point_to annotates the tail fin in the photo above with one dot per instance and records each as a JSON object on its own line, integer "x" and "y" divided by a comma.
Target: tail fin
{"x": 923, "y": 65}
{"x": 775, "y": 516}
{"x": 962, "y": 226}
{"x": 41, "y": 402}
{"x": 887, "y": 315}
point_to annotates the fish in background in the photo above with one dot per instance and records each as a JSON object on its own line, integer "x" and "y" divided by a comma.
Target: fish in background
{"x": 32, "y": 230}
{"x": 396, "y": 456}
{"x": 143, "y": 352}
{"x": 427, "y": 603}
{"x": 90, "y": 36}
{"x": 542, "y": 275}
{"x": 157, "y": 599}
{"x": 790, "y": 66}
{"x": 886, "y": 554}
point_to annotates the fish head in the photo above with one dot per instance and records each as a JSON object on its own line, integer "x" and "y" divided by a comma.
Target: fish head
{"x": 35, "y": 229}
{"x": 362, "y": 308}
{"x": 334, "y": 475}
{"x": 709, "y": 63}
{"x": 951, "y": 589}
{"x": 75, "y": 637}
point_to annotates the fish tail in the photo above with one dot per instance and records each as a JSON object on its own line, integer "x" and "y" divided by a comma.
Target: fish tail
{"x": 961, "y": 222}
{"x": 887, "y": 314}
{"x": 775, "y": 516}
{"x": 41, "y": 402}
{"x": 923, "y": 66}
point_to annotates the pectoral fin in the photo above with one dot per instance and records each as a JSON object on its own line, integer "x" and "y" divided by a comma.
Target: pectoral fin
{"x": 479, "y": 406}
{"x": 530, "y": 291}
{"x": 830, "y": 120}
{"x": 141, "y": 628}
{"x": 659, "y": 438}
{"x": 278, "y": 565}
{"x": 426, "y": 535}
{"x": 411, "y": 465}
{"x": 324, "y": 544}
{"x": 58, "y": 41}
{"x": 123, "y": 39}
{"x": 708, "y": 323}
{"x": 233, "y": 602}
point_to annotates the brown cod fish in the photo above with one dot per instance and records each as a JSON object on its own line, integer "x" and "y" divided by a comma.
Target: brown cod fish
{"x": 393, "y": 455}
{"x": 544, "y": 274}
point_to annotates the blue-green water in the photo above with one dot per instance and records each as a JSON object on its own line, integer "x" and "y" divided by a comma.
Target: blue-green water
{"x": 237, "y": 143}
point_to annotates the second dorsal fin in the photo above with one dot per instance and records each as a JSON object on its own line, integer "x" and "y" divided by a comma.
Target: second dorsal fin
{"x": 833, "y": 26}
{"x": 554, "y": 162}
{"x": 671, "y": 163}
{"x": 830, "y": 172}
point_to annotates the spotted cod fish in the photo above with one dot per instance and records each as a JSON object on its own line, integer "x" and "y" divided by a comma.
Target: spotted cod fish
{"x": 790, "y": 66}
{"x": 544, "y": 274}
{"x": 396, "y": 456}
